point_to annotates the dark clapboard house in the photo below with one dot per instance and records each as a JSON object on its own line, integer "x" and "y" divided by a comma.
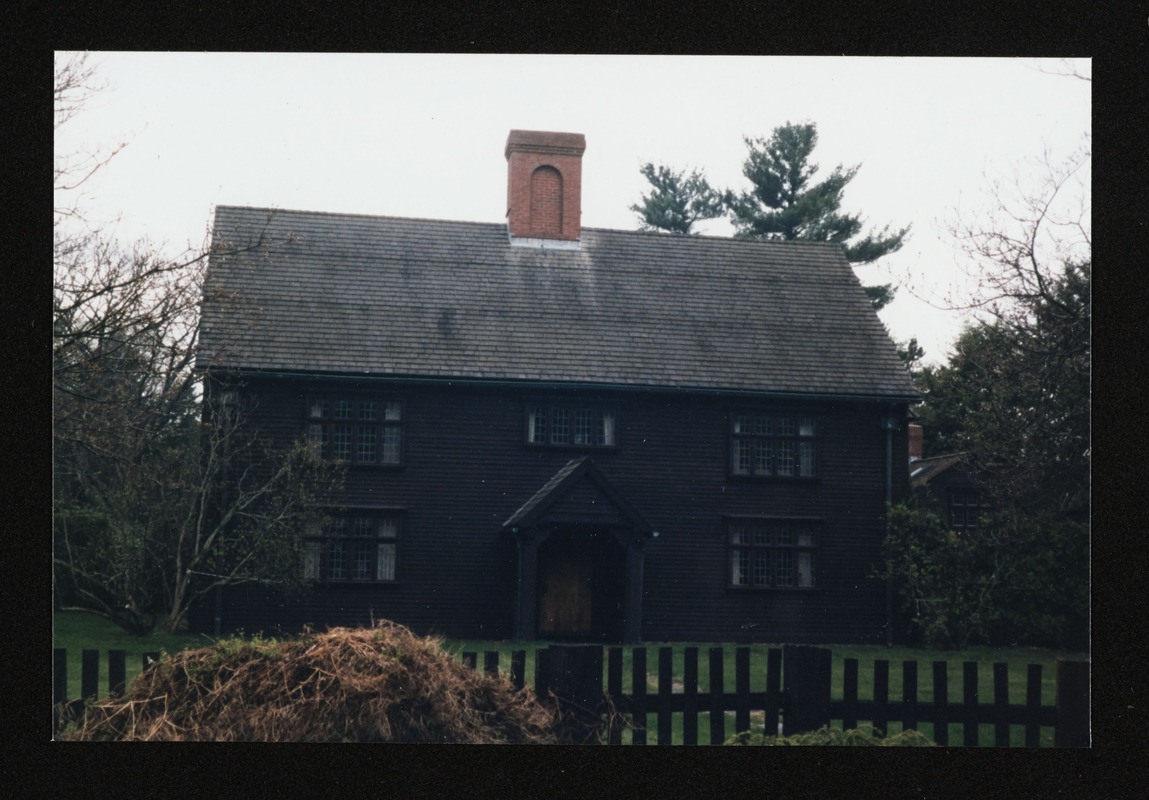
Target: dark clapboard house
{"x": 566, "y": 433}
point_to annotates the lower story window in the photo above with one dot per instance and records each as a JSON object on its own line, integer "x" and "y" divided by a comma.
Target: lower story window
{"x": 771, "y": 554}
{"x": 353, "y": 547}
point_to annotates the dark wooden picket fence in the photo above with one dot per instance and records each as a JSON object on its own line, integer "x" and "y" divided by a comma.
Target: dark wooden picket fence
{"x": 798, "y": 692}
{"x": 65, "y": 710}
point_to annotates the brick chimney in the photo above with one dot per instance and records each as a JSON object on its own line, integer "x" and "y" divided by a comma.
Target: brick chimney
{"x": 916, "y": 431}
{"x": 544, "y": 187}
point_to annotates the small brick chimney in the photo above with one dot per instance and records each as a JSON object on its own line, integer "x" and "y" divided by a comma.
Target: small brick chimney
{"x": 916, "y": 432}
{"x": 544, "y": 186}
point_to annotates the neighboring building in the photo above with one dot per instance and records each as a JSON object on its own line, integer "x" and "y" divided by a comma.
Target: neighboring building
{"x": 947, "y": 486}
{"x": 563, "y": 432}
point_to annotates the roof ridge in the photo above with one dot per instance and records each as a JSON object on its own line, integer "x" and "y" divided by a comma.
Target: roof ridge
{"x": 802, "y": 243}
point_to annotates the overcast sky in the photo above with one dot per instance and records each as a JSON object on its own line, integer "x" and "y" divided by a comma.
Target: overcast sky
{"x": 423, "y": 136}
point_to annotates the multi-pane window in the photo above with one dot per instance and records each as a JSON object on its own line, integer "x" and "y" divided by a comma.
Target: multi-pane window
{"x": 358, "y": 430}
{"x": 966, "y": 508}
{"x": 581, "y": 426}
{"x": 773, "y": 445}
{"x": 360, "y": 547}
{"x": 767, "y": 554}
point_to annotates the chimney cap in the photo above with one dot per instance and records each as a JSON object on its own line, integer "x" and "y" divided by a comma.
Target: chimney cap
{"x": 570, "y": 144}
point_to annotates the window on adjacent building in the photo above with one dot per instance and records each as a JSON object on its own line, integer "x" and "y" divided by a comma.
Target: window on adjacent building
{"x": 966, "y": 508}
{"x": 773, "y": 445}
{"x": 354, "y": 429}
{"x": 771, "y": 554}
{"x": 570, "y": 425}
{"x": 359, "y": 547}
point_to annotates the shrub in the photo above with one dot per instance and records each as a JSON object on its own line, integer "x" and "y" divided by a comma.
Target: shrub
{"x": 1015, "y": 579}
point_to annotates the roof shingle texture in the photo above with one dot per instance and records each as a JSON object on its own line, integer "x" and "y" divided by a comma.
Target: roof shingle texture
{"x": 350, "y": 294}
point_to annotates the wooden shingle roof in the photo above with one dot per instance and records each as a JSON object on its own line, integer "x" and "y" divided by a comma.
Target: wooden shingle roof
{"x": 322, "y": 293}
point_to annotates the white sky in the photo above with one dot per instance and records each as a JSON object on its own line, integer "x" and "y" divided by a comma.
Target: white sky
{"x": 423, "y": 136}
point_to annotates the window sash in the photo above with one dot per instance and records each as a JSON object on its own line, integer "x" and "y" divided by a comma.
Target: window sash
{"x": 571, "y": 426}
{"x": 764, "y": 445}
{"x": 355, "y": 430}
{"x": 360, "y": 548}
{"x": 772, "y": 554}
{"x": 560, "y": 426}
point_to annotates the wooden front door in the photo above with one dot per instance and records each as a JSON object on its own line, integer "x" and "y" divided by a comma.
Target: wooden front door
{"x": 565, "y": 596}
{"x": 581, "y": 587}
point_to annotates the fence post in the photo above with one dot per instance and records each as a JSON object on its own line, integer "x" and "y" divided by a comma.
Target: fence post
{"x": 542, "y": 683}
{"x": 519, "y": 668}
{"x": 909, "y": 695}
{"x": 638, "y": 694}
{"x": 742, "y": 689}
{"x": 806, "y": 684}
{"x": 717, "y": 690}
{"x": 614, "y": 689}
{"x": 969, "y": 687}
{"x": 1072, "y": 704}
{"x": 773, "y": 690}
{"x": 690, "y": 695}
{"x": 850, "y": 694}
{"x": 89, "y": 674}
{"x": 941, "y": 705}
{"x": 59, "y": 685}
{"x": 1033, "y": 706}
{"x": 117, "y": 672}
{"x": 574, "y": 674}
{"x": 1001, "y": 704}
{"x": 881, "y": 695}
{"x": 665, "y": 693}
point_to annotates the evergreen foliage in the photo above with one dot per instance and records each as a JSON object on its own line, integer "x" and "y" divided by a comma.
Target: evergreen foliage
{"x": 676, "y": 200}
{"x": 784, "y": 202}
{"x": 1016, "y": 395}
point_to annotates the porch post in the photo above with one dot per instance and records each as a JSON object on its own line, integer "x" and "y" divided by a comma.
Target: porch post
{"x": 632, "y": 630}
{"x": 528, "y": 547}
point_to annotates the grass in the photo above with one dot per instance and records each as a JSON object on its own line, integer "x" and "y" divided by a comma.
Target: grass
{"x": 76, "y": 631}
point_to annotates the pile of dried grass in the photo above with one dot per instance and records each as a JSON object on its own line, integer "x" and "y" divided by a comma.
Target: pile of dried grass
{"x": 381, "y": 684}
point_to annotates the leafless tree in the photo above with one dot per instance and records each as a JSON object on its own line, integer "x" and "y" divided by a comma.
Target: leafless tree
{"x": 154, "y": 505}
{"x": 1016, "y": 390}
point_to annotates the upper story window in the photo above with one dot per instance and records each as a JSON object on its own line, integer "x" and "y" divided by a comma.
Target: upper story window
{"x": 771, "y": 554}
{"x": 571, "y": 426}
{"x": 362, "y": 546}
{"x": 356, "y": 429}
{"x": 966, "y": 507}
{"x": 773, "y": 445}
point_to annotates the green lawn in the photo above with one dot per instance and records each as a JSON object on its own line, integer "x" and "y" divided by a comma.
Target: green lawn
{"x": 76, "y": 631}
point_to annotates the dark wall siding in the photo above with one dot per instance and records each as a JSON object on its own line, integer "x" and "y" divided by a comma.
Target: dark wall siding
{"x": 467, "y": 468}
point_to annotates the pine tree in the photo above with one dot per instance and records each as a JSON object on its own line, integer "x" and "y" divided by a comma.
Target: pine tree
{"x": 785, "y": 203}
{"x": 677, "y": 200}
